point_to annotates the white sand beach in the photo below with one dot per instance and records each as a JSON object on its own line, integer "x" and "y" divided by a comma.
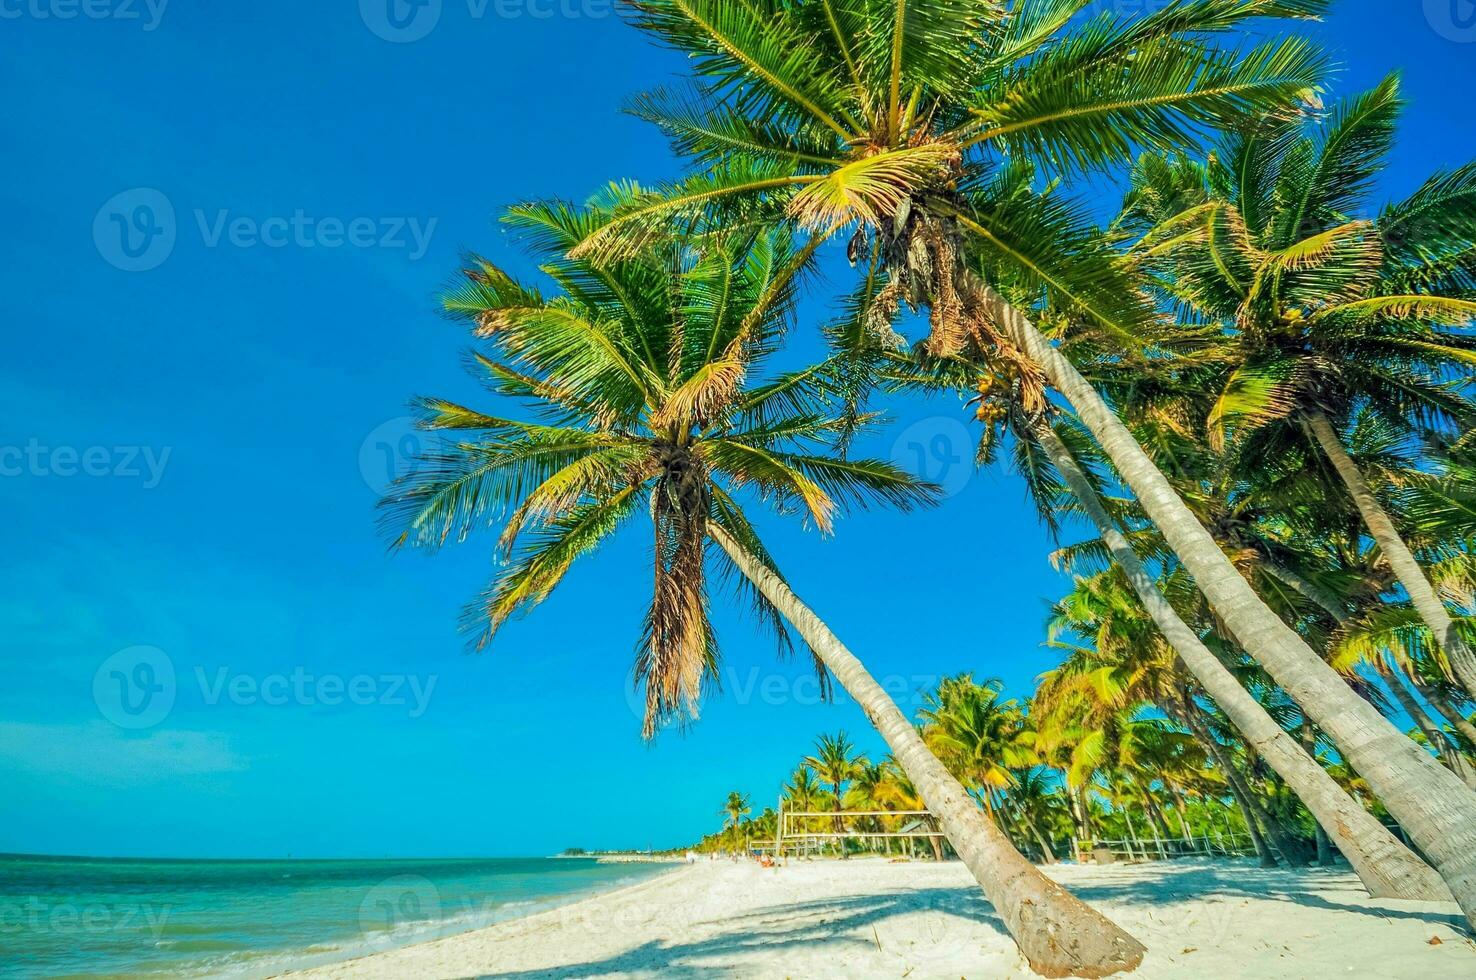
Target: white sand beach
{"x": 869, "y": 918}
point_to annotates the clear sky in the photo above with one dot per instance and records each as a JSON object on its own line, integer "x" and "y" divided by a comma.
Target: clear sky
{"x": 206, "y": 650}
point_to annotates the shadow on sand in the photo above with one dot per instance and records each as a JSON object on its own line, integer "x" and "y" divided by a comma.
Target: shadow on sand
{"x": 849, "y": 920}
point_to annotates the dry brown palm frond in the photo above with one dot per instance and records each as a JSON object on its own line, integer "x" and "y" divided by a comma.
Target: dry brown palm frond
{"x": 676, "y": 654}
{"x": 703, "y": 396}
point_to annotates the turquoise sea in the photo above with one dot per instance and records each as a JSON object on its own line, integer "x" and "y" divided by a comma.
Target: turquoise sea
{"x": 105, "y": 917}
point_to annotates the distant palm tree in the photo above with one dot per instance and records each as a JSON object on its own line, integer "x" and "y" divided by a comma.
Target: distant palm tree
{"x": 836, "y": 762}
{"x": 898, "y": 791}
{"x": 979, "y": 734}
{"x": 734, "y": 810}
{"x": 641, "y": 372}
{"x": 804, "y": 794}
{"x": 1033, "y": 798}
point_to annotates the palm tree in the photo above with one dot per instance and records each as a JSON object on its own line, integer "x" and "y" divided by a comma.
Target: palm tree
{"x": 1034, "y": 799}
{"x": 977, "y": 734}
{"x": 734, "y": 810}
{"x": 836, "y": 762}
{"x": 895, "y": 122}
{"x": 1103, "y": 608}
{"x": 641, "y": 373}
{"x": 865, "y": 794}
{"x": 1334, "y": 315}
{"x": 803, "y": 793}
{"x": 898, "y": 792}
{"x": 1047, "y": 450}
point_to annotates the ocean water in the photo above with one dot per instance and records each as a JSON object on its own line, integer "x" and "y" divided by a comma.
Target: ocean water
{"x": 84, "y": 917}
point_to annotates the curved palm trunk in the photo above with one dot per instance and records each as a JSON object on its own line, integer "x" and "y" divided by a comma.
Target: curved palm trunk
{"x": 1447, "y": 711}
{"x": 1046, "y": 850}
{"x": 1058, "y": 933}
{"x": 1180, "y": 809}
{"x": 1429, "y": 801}
{"x": 1289, "y": 846}
{"x": 1324, "y": 844}
{"x": 1386, "y": 867}
{"x": 1448, "y": 753}
{"x": 1238, "y": 792}
{"x": 1406, "y": 569}
{"x": 1150, "y": 811}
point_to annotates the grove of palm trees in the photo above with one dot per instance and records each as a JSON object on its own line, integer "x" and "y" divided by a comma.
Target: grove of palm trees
{"x": 1147, "y": 262}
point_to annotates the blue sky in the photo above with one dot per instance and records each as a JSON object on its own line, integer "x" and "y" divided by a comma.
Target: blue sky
{"x": 190, "y": 453}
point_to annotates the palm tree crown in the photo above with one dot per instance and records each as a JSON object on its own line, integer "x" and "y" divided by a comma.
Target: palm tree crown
{"x": 641, "y": 376}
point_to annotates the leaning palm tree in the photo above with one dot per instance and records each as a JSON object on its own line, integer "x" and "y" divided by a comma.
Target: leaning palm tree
{"x": 900, "y": 122}
{"x": 642, "y": 375}
{"x": 1335, "y": 317}
{"x": 1052, "y": 453}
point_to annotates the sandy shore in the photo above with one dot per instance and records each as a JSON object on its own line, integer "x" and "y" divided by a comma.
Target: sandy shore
{"x": 868, "y": 918}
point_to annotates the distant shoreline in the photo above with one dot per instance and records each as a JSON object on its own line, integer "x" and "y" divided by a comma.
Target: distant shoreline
{"x": 625, "y": 857}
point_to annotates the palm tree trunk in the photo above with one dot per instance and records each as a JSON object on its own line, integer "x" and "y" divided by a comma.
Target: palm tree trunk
{"x": 1324, "y": 845}
{"x": 1430, "y": 802}
{"x": 1084, "y": 810}
{"x": 1406, "y": 569}
{"x": 1150, "y": 811}
{"x": 1058, "y": 933}
{"x": 1447, "y": 711}
{"x": 1292, "y": 851}
{"x": 1241, "y": 795}
{"x": 1132, "y": 831}
{"x": 836, "y": 824}
{"x": 937, "y": 846}
{"x": 1181, "y": 809}
{"x": 1394, "y": 679}
{"x": 1386, "y": 867}
{"x": 1045, "y": 845}
{"x": 1448, "y": 754}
